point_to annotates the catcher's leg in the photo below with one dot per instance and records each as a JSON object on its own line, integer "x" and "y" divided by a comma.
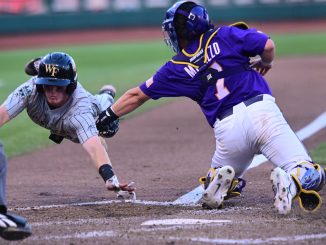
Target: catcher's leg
{"x": 218, "y": 183}
{"x": 302, "y": 181}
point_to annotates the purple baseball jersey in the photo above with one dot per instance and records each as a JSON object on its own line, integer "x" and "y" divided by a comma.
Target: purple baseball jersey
{"x": 223, "y": 49}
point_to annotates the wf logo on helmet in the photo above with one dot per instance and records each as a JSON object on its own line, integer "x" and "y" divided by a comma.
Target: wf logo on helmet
{"x": 51, "y": 69}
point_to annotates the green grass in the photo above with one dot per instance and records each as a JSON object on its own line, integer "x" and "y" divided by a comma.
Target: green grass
{"x": 319, "y": 154}
{"x": 300, "y": 44}
{"x": 123, "y": 64}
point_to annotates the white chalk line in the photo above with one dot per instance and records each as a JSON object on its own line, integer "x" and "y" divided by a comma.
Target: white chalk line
{"x": 316, "y": 125}
{"x": 80, "y": 235}
{"x": 110, "y": 233}
{"x": 182, "y": 221}
{"x": 287, "y": 239}
{"x": 152, "y": 203}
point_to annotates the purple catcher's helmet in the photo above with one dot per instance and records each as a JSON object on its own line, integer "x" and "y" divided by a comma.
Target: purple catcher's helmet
{"x": 196, "y": 22}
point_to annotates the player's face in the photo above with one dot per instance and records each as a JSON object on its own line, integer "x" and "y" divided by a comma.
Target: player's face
{"x": 56, "y": 96}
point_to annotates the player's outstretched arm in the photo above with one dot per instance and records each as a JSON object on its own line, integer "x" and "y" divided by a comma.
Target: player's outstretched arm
{"x": 99, "y": 156}
{"x": 128, "y": 102}
{"x": 4, "y": 116}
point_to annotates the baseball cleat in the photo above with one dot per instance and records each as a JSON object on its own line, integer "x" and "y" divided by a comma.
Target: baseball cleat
{"x": 213, "y": 196}
{"x": 109, "y": 89}
{"x": 14, "y": 227}
{"x": 284, "y": 190}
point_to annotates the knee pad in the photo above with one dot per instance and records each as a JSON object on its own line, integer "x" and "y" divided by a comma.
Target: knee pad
{"x": 309, "y": 178}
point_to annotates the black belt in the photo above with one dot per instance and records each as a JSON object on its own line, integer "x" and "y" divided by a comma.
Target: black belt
{"x": 247, "y": 102}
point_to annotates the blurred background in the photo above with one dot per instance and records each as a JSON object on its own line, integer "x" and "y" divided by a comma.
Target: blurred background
{"x": 19, "y": 16}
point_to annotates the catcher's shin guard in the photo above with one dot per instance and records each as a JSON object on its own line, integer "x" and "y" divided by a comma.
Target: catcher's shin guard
{"x": 311, "y": 179}
{"x": 217, "y": 185}
{"x": 301, "y": 182}
{"x": 14, "y": 227}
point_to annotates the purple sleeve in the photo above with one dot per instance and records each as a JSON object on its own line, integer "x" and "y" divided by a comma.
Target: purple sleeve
{"x": 249, "y": 42}
{"x": 165, "y": 84}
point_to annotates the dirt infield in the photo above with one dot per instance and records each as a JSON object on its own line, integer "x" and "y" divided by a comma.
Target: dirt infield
{"x": 165, "y": 151}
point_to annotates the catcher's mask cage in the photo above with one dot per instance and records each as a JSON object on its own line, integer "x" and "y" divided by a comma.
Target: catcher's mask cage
{"x": 196, "y": 22}
{"x": 57, "y": 69}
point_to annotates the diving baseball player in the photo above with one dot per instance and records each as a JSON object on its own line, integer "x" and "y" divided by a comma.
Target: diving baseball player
{"x": 55, "y": 100}
{"x": 212, "y": 67}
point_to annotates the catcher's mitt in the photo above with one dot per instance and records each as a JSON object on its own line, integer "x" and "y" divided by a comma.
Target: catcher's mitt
{"x": 108, "y": 130}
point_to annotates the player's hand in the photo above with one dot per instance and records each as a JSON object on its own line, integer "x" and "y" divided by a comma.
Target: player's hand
{"x": 113, "y": 184}
{"x": 260, "y": 66}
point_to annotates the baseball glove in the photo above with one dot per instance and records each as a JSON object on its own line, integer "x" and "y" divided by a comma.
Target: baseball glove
{"x": 108, "y": 130}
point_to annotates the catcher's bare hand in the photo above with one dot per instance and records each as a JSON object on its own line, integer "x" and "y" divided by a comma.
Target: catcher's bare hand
{"x": 260, "y": 66}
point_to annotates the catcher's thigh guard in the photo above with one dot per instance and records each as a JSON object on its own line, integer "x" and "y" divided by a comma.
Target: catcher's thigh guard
{"x": 217, "y": 185}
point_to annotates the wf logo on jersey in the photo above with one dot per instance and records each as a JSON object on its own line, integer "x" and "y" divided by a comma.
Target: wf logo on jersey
{"x": 51, "y": 69}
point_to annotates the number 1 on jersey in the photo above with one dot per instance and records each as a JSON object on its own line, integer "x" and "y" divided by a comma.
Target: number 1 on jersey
{"x": 221, "y": 89}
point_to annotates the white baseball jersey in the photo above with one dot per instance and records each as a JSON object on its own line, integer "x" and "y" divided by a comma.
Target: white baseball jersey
{"x": 75, "y": 120}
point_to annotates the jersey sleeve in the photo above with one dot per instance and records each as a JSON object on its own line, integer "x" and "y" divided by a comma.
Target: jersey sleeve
{"x": 17, "y": 100}
{"x": 84, "y": 126}
{"x": 249, "y": 42}
{"x": 167, "y": 82}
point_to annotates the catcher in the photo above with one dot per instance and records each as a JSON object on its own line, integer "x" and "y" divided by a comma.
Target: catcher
{"x": 212, "y": 67}
{"x": 55, "y": 100}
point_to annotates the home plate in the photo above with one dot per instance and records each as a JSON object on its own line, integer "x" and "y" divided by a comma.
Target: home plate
{"x": 184, "y": 222}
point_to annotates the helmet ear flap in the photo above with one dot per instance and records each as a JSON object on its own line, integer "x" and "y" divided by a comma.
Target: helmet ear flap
{"x": 71, "y": 87}
{"x": 196, "y": 20}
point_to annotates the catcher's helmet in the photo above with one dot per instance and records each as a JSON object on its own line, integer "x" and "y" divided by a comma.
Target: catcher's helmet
{"x": 57, "y": 69}
{"x": 185, "y": 19}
